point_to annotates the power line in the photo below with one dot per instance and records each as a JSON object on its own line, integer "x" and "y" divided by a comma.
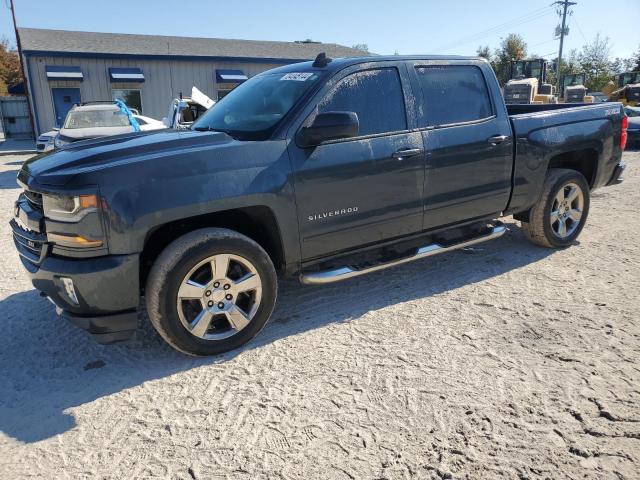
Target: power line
{"x": 528, "y": 17}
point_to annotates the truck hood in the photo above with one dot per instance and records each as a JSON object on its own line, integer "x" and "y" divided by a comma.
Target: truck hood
{"x": 60, "y": 166}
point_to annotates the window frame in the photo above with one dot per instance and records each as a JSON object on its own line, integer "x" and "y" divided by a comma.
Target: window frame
{"x": 329, "y": 86}
{"x": 423, "y": 118}
{"x": 139, "y": 90}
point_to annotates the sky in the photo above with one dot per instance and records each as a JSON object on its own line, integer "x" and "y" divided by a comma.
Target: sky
{"x": 403, "y": 26}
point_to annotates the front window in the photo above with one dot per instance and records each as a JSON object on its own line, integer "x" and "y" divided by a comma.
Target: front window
{"x": 131, "y": 97}
{"x": 360, "y": 93}
{"x": 252, "y": 110}
{"x": 96, "y": 118}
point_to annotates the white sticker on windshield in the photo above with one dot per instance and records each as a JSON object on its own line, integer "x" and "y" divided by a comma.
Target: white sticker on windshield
{"x": 298, "y": 77}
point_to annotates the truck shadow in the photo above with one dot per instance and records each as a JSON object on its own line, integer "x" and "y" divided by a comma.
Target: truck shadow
{"x": 8, "y": 180}
{"x": 47, "y": 366}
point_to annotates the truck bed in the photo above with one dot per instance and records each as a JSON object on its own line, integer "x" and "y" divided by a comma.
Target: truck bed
{"x": 574, "y": 132}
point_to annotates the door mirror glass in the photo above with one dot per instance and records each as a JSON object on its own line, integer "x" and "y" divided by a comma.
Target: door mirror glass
{"x": 329, "y": 126}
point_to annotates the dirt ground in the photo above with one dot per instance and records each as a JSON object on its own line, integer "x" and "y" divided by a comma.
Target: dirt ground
{"x": 503, "y": 361}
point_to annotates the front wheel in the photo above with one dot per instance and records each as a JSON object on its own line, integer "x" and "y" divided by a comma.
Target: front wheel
{"x": 560, "y": 214}
{"x": 211, "y": 291}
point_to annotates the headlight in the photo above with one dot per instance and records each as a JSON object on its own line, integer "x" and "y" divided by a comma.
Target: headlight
{"x": 59, "y": 143}
{"x": 68, "y": 209}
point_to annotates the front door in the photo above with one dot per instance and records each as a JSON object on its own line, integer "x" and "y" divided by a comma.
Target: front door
{"x": 361, "y": 190}
{"x": 468, "y": 144}
{"x": 63, "y": 100}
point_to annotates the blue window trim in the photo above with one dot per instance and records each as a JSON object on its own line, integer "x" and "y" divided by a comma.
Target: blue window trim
{"x": 230, "y": 76}
{"x": 63, "y": 72}
{"x": 128, "y": 75}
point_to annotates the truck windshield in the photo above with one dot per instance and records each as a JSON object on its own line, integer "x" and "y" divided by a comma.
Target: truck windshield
{"x": 96, "y": 118}
{"x": 252, "y": 110}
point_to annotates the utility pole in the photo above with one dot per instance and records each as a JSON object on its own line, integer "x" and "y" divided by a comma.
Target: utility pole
{"x": 565, "y": 5}
{"x": 22, "y": 70}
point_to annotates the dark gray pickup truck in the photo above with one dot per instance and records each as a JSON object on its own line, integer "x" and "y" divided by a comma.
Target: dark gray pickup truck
{"x": 326, "y": 170}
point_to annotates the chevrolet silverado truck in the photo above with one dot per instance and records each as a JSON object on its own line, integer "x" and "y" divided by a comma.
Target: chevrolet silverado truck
{"x": 324, "y": 170}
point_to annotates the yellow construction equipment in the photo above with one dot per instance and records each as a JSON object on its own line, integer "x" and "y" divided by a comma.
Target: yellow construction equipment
{"x": 628, "y": 89}
{"x": 527, "y": 83}
{"x": 573, "y": 89}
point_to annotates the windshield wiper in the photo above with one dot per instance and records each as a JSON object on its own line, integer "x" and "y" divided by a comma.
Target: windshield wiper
{"x": 211, "y": 129}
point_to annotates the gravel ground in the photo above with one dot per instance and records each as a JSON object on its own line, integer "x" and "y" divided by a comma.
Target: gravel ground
{"x": 503, "y": 361}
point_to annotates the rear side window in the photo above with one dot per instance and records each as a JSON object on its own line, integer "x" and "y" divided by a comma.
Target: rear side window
{"x": 375, "y": 95}
{"x": 453, "y": 94}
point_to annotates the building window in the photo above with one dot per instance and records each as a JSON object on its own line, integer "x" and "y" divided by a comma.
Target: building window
{"x": 225, "y": 88}
{"x": 131, "y": 97}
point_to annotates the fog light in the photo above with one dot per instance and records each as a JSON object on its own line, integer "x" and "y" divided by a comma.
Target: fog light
{"x": 70, "y": 289}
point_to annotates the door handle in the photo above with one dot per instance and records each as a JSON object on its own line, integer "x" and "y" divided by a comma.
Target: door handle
{"x": 497, "y": 139}
{"x": 406, "y": 153}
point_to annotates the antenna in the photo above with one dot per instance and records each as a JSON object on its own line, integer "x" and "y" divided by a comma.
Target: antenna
{"x": 321, "y": 60}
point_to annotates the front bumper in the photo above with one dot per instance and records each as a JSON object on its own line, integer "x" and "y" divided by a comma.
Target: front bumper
{"x": 105, "y": 290}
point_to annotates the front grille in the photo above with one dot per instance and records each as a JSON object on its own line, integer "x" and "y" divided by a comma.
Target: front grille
{"x": 30, "y": 245}
{"x": 34, "y": 199}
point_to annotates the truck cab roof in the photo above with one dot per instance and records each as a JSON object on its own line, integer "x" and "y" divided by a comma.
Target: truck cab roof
{"x": 339, "y": 63}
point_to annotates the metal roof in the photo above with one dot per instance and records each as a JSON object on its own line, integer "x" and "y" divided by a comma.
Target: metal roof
{"x": 87, "y": 43}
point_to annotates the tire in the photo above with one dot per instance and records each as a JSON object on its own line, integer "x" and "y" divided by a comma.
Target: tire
{"x": 183, "y": 282}
{"x": 541, "y": 228}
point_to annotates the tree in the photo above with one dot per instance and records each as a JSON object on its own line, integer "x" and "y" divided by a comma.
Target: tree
{"x": 484, "y": 52}
{"x": 595, "y": 61}
{"x": 513, "y": 47}
{"x": 635, "y": 61}
{"x": 10, "y": 73}
{"x": 361, "y": 46}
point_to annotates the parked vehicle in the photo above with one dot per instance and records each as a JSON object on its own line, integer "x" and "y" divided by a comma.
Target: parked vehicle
{"x": 95, "y": 119}
{"x": 45, "y": 142}
{"x": 634, "y": 126}
{"x": 148, "y": 123}
{"x": 303, "y": 170}
{"x": 184, "y": 111}
{"x": 573, "y": 89}
{"x": 598, "y": 97}
{"x": 527, "y": 84}
{"x": 628, "y": 91}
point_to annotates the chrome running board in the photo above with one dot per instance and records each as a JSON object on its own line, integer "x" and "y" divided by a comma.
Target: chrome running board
{"x": 342, "y": 273}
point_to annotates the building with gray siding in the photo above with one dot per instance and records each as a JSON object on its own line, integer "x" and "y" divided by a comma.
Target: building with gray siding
{"x": 147, "y": 71}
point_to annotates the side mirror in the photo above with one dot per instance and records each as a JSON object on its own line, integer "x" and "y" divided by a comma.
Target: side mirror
{"x": 56, "y": 129}
{"x": 329, "y": 126}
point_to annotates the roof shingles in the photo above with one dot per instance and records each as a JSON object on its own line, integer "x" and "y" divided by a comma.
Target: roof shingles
{"x": 64, "y": 41}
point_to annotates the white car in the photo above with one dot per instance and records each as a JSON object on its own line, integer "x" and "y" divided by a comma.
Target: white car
{"x": 148, "y": 123}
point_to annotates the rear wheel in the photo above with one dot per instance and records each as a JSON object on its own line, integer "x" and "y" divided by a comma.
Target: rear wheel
{"x": 560, "y": 214}
{"x": 211, "y": 291}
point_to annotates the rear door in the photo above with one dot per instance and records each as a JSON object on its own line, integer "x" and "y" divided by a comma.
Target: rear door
{"x": 361, "y": 190}
{"x": 467, "y": 139}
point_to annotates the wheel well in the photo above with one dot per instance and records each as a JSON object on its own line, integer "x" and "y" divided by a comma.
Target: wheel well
{"x": 584, "y": 161}
{"x": 258, "y": 223}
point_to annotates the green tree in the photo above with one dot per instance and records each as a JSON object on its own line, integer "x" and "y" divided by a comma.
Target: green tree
{"x": 595, "y": 60}
{"x": 10, "y": 73}
{"x": 484, "y": 52}
{"x": 512, "y": 47}
{"x": 635, "y": 61}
